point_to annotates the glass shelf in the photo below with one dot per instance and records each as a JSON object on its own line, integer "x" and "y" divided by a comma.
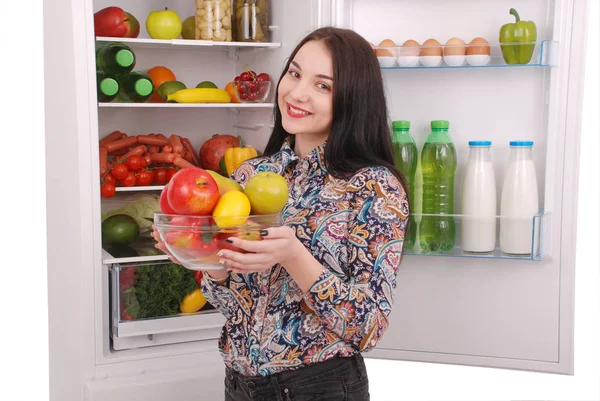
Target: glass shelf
{"x": 545, "y": 54}
{"x": 528, "y": 240}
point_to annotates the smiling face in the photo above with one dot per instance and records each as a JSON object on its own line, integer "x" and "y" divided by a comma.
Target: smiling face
{"x": 306, "y": 95}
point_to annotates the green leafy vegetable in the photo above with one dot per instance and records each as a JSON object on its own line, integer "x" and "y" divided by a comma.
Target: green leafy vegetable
{"x": 140, "y": 206}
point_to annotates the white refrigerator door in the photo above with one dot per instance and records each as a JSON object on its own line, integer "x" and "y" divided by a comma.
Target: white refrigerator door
{"x": 488, "y": 312}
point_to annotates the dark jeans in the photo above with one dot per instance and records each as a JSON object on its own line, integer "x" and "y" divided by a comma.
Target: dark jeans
{"x": 343, "y": 379}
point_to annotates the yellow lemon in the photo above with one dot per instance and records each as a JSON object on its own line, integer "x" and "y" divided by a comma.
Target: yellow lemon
{"x": 232, "y": 209}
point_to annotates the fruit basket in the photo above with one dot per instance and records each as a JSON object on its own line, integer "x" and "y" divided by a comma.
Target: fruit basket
{"x": 195, "y": 240}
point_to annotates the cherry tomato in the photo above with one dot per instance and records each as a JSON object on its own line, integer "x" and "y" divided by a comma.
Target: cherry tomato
{"x": 160, "y": 176}
{"x": 144, "y": 162}
{"x": 119, "y": 171}
{"x": 252, "y": 96}
{"x": 170, "y": 173}
{"x": 107, "y": 190}
{"x": 144, "y": 178}
{"x": 109, "y": 178}
{"x": 245, "y": 76}
{"x": 129, "y": 180}
{"x": 263, "y": 77}
{"x": 134, "y": 163}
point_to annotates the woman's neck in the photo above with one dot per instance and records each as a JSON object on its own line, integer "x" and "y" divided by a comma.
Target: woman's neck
{"x": 303, "y": 144}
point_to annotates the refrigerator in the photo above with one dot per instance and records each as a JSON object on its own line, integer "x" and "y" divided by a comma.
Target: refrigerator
{"x": 491, "y": 310}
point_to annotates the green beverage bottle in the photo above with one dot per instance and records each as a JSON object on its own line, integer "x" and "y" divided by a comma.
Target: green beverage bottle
{"x": 137, "y": 86}
{"x": 115, "y": 59}
{"x": 406, "y": 158}
{"x": 107, "y": 87}
{"x": 438, "y": 165}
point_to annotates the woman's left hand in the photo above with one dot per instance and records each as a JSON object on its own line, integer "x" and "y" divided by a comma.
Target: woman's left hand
{"x": 279, "y": 245}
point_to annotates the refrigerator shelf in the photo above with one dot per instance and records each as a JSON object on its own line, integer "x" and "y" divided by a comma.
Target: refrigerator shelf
{"x": 533, "y": 231}
{"x": 234, "y": 106}
{"x": 186, "y": 43}
{"x": 545, "y": 54}
{"x": 140, "y": 188}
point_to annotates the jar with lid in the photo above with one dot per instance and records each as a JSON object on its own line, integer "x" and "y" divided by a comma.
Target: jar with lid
{"x": 214, "y": 20}
{"x": 251, "y": 20}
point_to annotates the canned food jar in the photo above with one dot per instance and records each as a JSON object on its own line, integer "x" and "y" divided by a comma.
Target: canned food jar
{"x": 251, "y": 20}
{"x": 213, "y": 20}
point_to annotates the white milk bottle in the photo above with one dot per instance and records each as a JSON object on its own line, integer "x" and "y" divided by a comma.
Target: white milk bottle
{"x": 519, "y": 203}
{"x": 478, "y": 232}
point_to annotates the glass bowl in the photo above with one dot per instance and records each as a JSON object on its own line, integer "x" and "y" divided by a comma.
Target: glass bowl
{"x": 252, "y": 92}
{"x": 195, "y": 240}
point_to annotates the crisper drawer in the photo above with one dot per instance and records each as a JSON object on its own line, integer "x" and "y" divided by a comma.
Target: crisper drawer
{"x": 158, "y": 303}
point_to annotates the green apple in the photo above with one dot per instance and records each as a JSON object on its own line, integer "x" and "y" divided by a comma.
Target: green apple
{"x": 189, "y": 28}
{"x": 164, "y": 24}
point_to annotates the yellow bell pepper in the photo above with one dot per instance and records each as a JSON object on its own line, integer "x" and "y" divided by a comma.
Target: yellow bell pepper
{"x": 236, "y": 156}
{"x": 193, "y": 302}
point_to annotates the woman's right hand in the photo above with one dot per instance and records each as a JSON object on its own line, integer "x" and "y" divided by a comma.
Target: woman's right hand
{"x": 161, "y": 245}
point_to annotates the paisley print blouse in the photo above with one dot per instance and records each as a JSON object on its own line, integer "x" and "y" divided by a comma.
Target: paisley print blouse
{"x": 355, "y": 228}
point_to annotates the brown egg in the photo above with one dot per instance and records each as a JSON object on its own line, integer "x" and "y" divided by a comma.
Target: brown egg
{"x": 410, "y": 48}
{"x": 478, "y": 46}
{"x": 390, "y": 50}
{"x": 455, "y": 47}
{"x": 431, "y": 47}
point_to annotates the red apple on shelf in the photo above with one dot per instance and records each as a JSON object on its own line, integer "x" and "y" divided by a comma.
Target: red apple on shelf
{"x": 193, "y": 191}
{"x": 116, "y": 23}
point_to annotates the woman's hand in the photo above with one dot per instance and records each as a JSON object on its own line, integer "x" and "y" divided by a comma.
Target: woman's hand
{"x": 279, "y": 245}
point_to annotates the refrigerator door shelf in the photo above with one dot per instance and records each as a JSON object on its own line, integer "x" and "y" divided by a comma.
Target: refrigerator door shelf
{"x": 139, "y": 317}
{"x": 538, "y": 227}
{"x": 185, "y": 43}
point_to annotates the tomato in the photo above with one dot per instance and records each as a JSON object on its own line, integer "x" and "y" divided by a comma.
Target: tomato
{"x": 245, "y": 76}
{"x": 144, "y": 162}
{"x": 119, "y": 171}
{"x": 263, "y": 77}
{"x": 144, "y": 178}
{"x": 170, "y": 173}
{"x": 134, "y": 163}
{"x": 129, "y": 180}
{"x": 198, "y": 276}
{"x": 109, "y": 178}
{"x": 160, "y": 176}
{"x": 107, "y": 190}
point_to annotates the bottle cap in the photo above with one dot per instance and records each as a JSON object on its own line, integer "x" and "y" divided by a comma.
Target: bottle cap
{"x": 124, "y": 58}
{"x": 144, "y": 87}
{"x": 521, "y": 143}
{"x": 480, "y": 143}
{"x": 401, "y": 124}
{"x": 440, "y": 124}
{"x": 109, "y": 86}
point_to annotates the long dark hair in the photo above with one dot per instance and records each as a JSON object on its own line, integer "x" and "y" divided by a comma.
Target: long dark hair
{"x": 360, "y": 130}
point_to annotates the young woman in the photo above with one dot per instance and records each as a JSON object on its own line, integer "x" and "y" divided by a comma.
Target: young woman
{"x": 304, "y": 303}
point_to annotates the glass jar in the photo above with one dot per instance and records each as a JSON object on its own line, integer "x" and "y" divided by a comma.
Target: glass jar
{"x": 213, "y": 20}
{"x": 251, "y": 20}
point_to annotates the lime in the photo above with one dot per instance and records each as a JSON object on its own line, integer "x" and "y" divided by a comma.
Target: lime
{"x": 169, "y": 87}
{"x": 120, "y": 229}
{"x": 206, "y": 84}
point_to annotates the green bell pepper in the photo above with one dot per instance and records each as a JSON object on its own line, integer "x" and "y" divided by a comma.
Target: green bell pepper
{"x": 517, "y": 40}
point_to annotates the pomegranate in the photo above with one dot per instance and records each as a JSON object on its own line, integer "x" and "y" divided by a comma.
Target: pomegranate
{"x": 213, "y": 150}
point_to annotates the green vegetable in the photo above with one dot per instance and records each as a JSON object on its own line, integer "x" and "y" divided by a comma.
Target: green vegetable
{"x": 158, "y": 290}
{"x": 140, "y": 206}
{"x": 512, "y": 39}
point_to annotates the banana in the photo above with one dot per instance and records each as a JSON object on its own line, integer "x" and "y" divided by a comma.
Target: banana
{"x": 200, "y": 95}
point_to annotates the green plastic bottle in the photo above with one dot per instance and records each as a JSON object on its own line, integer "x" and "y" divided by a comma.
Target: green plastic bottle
{"x": 115, "y": 59}
{"x": 136, "y": 86}
{"x": 107, "y": 87}
{"x": 438, "y": 166}
{"x": 406, "y": 158}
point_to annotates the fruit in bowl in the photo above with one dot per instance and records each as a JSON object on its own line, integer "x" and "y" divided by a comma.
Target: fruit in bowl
{"x": 195, "y": 240}
{"x": 251, "y": 87}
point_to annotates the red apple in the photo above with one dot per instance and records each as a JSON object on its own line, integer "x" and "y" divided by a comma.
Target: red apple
{"x": 164, "y": 202}
{"x": 183, "y": 239}
{"x": 116, "y": 23}
{"x": 193, "y": 191}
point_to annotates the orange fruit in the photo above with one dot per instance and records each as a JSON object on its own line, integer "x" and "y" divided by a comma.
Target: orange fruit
{"x": 160, "y": 75}
{"x": 231, "y": 90}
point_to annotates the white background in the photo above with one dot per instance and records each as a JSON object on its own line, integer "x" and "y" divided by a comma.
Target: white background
{"x": 23, "y": 280}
